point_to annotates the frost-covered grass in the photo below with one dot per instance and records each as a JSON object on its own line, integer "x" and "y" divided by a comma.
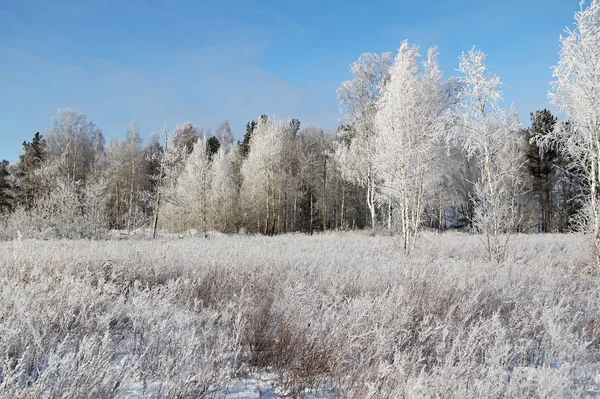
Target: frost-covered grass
{"x": 333, "y": 315}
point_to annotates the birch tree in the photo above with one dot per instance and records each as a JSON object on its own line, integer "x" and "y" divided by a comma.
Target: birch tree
{"x": 261, "y": 174}
{"x": 224, "y": 190}
{"x": 358, "y": 98}
{"x": 77, "y": 139}
{"x": 576, "y": 92}
{"x": 408, "y": 124}
{"x": 224, "y": 134}
{"x": 488, "y": 134}
{"x": 169, "y": 161}
{"x": 192, "y": 191}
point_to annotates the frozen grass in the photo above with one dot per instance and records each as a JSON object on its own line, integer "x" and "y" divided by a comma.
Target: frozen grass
{"x": 337, "y": 315}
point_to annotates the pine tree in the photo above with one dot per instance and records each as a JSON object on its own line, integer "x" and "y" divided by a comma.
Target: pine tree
{"x": 33, "y": 157}
{"x": 245, "y": 144}
{"x": 542, "y": 168}
{"x": 212, "y": 146}
{"x": 6, "y": 198}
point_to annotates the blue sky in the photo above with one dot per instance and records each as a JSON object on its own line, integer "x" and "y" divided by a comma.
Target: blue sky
{"x": 157, "y": 62}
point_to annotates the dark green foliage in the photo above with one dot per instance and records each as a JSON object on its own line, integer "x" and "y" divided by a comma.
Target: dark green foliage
{"x": 212, "y": 146}
{"x": 556, "y": 186}
{"x": 6, "y": 198}
{"x": 250, "y": 127}
{"x": 245, "y": 144}
{"x": 34, "y": 155}
{"x": 542, "y": 168}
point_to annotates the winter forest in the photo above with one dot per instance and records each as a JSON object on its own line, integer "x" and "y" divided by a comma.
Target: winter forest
{"x": 409, "y": 254}
{"x": 416, "y": 151}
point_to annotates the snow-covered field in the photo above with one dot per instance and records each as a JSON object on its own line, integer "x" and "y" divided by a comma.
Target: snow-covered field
{"x": 335, "y": 315}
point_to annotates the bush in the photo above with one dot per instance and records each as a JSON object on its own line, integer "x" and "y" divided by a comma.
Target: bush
{"x": 344, "y": 315}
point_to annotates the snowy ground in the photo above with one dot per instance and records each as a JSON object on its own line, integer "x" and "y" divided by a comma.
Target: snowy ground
{"x": 335, "y": 315}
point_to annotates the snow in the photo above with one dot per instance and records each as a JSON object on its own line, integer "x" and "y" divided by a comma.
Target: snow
{"x": 307, "y": 316}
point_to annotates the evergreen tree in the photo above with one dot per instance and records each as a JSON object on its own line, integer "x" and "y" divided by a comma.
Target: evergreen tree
{"x": 212, "y": 146}
{"x": 542, "y": 168}
{"x": 34, "y": 155}
{"x": 245, "y": 144}
{"x": 250, "y": 128}
{"x": 5, "y": 188}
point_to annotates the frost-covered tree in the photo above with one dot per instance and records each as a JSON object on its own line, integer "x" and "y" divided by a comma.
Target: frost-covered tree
{"x": 167, "y": 161}
{"x": 224, "y": 134}
{"x": 58, "y": 208}
{"x": 408, "y": 126}
{"x": 576, "y": 92}
{"x": 455, "y": 189}
{"x": 261, "y": 193}
{"x": 94, "y": 204}
{"x": 358, "y": 98}
{"x": 190, "y": 207}
{"x": 76, "y": 139}
{"x": 224, "y": 189}
{"x": 490, "y": 136}
{"x": 126, "y": 179}
{"x": 186, "y": 135}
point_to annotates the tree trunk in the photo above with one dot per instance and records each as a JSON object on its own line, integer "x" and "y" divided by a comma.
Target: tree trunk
{"x": 155, "y": 219}
{"x": 130, "y": 213}
{"x": 310, "y": 224}
{"x": 371, "y": 199}
{"x": 324, "y": 196}
{"x": 343, "y": 210}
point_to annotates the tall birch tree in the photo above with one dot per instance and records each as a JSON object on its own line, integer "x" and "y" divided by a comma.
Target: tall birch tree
{"x": 490, "y": 136}
{"x": 576, "y": 92}
{"x": 408, "y": 125}
{"x": 358, "y": 98}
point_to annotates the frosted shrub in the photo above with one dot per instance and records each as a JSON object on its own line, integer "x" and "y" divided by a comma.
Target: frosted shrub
{"x": 339, "y": 315}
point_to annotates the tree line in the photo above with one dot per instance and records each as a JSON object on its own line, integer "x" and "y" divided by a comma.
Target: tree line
{"x": 415, "y": 150}
{"x": 280, "y": 178}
